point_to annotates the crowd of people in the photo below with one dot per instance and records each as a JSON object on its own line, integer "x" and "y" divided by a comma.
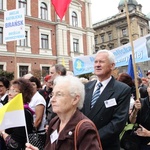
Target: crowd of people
{"x": 55, "y": 108}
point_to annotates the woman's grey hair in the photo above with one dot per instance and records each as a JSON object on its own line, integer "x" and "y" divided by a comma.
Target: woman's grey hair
{"x": 111, "y": 56}
{"x": 76, "y": 87}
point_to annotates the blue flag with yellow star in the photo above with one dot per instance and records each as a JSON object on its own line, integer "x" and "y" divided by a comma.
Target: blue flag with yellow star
{"x": 83, "y": 64}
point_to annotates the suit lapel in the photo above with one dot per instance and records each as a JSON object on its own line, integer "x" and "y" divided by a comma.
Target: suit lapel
{"x": 105, "y": 95}
{"x": 88, "y": 97}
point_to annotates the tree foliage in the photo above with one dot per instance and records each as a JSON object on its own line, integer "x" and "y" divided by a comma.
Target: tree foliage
{"x": 8, "y": 75}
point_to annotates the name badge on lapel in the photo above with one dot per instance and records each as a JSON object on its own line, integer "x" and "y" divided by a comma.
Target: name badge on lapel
{"x": 110, "y": 103}
{"x": 54, "y": 136}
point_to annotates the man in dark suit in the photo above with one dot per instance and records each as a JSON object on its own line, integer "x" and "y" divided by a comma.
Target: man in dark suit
{"x": 110, "y": 111}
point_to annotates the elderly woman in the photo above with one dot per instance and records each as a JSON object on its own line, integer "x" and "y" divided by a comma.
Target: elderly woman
{"x": 67, "y": 99}
{"x": 15, "y": 138}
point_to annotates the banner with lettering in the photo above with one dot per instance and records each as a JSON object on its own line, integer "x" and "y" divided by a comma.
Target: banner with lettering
{"x": 84, "y": 64}
{"x": 14, "y": 25}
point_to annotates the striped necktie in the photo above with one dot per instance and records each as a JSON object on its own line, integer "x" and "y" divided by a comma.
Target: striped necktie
{"x": 96, "y": 94}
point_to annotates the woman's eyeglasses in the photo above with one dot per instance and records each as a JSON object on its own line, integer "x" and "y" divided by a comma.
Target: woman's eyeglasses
{"x": 13, "y": 91}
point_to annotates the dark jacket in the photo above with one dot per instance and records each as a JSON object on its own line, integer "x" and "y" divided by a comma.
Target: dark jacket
{"x": 5, "y": 100}
{"x": 109, "y": 121}
{"x": 143, "y": 91}
{"x": 2, "y": 142}
{"x": 143, "y": 118}
{"x": 46, "y": 94}
{"x": 86, "y": 138}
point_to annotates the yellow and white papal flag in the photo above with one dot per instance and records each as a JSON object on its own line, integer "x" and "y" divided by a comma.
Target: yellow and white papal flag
{"x": 12, "y": 113}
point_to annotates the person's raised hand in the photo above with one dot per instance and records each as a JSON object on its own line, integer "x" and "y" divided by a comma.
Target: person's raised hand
{"x": 141, "y": 131}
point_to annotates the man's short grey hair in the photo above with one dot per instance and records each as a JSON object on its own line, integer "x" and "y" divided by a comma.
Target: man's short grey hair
{"x": 60, "y": 68}
{"x": 75, "y": 86}
{"x": 111, "y": 56}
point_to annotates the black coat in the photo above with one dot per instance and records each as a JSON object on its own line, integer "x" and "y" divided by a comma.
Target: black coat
{"x": 5, "y": 100}
{"x": 143, "y": 118}
{"x": 143, "y": 91}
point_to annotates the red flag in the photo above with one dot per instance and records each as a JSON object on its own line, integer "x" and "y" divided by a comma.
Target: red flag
{"x": 61, "y": 7}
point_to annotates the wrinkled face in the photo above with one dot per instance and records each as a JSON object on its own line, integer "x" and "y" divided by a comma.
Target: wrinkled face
{"x": 102, "y": 66}
{"x": 13, "y": 91}
{"x": 62, "y": 102}
{"x": 2, "y": 89}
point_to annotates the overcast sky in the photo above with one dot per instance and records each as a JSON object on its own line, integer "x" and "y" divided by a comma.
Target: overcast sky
{"x": 102, "y": 9}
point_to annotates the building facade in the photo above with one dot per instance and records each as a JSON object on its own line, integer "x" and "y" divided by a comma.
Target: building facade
{"x": 47, "y": 39}
{"x": 113, "y": 32}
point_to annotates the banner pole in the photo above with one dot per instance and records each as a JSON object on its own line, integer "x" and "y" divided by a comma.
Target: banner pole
{"x": 15, "y": 73}
{"x": 132, "y": 46}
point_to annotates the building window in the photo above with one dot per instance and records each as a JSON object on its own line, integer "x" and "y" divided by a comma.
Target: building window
{"x": 23, "y": 42}
{"x": 109, "y": 36}
{"x": 76, "y": 45}
{"x": 124, "y": 32}
{"x": 142, "y": 32}
{"x": 44, "y": 11}
{"x": 1, "y": 4}
{"x": 74, "y": 19}
{"x": 1, "y": 67}
{"x": 1, "y": 35}
{"x": 44, "y": 41}
{"x": 23, "y": 4}
{"x": 102, "y": 38}
{"x": 23, "y": 70}
{"x": 96, "y": 40}
{"x": 45, "y": 70}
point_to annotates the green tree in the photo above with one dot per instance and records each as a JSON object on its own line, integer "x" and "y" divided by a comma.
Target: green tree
{"x": 8, "y": 75}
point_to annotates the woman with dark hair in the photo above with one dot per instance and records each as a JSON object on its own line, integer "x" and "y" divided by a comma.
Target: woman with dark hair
{"x": 15, "y": 138}
{"x": 38, "y": 104}
{"x": 125, "y": 78}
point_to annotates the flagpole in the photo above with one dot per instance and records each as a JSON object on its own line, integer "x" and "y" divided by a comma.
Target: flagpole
{"x": 27, "y": 134}
{"x": 133, "y": 57}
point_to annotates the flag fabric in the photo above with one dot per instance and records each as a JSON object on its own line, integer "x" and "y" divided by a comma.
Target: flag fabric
{"x": 140, "y": 74}
{"x": 12, "y": 113}
{"x": 63, "y": 62}
{"x": 61, "y": 7}
{"x": 130, "y": 68}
